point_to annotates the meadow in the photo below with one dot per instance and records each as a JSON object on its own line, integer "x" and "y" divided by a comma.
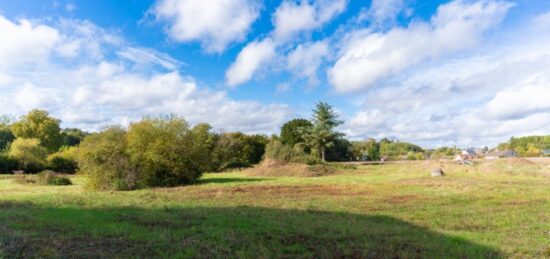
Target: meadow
{"x": 488, "y": 210}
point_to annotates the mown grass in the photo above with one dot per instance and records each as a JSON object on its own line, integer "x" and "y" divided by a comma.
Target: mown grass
{"x": 398, "y": 210}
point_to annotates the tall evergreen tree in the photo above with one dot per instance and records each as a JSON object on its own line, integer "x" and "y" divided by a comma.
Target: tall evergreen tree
{"x": 323, "y": 133}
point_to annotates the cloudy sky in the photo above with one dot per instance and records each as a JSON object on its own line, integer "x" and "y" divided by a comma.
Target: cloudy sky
{"x": 431, "y": 72}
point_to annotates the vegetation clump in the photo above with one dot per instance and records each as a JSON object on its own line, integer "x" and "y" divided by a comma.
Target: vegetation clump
{"x": 164, "y": 151}
{"x": 46, "y": 177}
{"x": 49, "y": 177}
{"x": 529, "y": 146}
{"x": 104, "y": 159}
{"x": 64, "y": 160}
{"x": 31, "y": 156}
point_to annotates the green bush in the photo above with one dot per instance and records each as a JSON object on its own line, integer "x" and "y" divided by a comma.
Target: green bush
{"x": 284, "y": 153}
{"x": 49, "y": 177}
{"x": 6, "y": 137}
{"x": 166, "y": 152}
{"x": 7, "y": 164}
{"x": 102, "y": 156}
{"x": 395, "y": 150}
{"x": 30, "y": 155}
{"x": 61, "y": 180}
{"x": 63, "y": 161}
{"x": 235, "y": 149}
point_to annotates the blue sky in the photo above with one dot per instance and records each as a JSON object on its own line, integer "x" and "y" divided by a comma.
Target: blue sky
{"x": 466, "y": 73}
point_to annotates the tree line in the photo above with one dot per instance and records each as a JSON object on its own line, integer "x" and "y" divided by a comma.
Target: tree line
{"x": 527, "y": 146}
{"x": 167, "y": 151}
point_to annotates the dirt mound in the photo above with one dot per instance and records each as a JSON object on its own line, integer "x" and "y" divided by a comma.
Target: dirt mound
{"x": 270, "y": 167}
{"x": 513, "y": 161}
{"x": 516, "y": 161}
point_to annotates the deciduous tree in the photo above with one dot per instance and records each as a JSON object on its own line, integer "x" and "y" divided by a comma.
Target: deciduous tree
{"x": 40, "y": 125}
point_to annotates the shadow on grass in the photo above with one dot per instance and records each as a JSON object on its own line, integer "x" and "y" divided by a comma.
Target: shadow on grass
{"x": 30, "y": 231}
{"x": 228, "y": 180}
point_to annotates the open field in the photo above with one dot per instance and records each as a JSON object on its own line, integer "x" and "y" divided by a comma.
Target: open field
{"x": 493, "y": 209}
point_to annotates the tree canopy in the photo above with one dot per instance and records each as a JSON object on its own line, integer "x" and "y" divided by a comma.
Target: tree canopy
{"x": 39, "y": 125}
{"x": 292, "y": 131}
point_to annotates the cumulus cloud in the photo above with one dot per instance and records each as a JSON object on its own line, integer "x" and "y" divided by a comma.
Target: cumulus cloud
{"x": 482, "y": 99}
{"x": 289, "y": 20}
{"x": 368, "y": 57}
{"x": 528, "y": 98}
{"x": 542, "y": 22}
{"x": 251, "y": 57}
{"x": 305, "y": 59}
{"x": 291, "y": 17}
{"x": 213, "y": 23}
{"x": 24, "y": 42}
{"x": 382, "y": 11}
{"x": 112, "y": 83}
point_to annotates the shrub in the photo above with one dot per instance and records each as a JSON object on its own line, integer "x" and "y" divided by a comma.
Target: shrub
{"x": 61, "y": 180}
{"x": 236, "y": 149}
{"x": 6, "y": 137}
{"x": 102, "y": 156}
{"x": 397, "y": 149}
{"x": 284, "y": 153}
{"x": 279, "y": 151}
{"x": 7, "y": 163}
{"x": 166, "y": 152}
{"x": 63, "y": 161}
{"x": 411, "y": 156}
{"x": 161, "y": 151}
{"x": 31, "y": 157}
{"x": 49, "y": 177}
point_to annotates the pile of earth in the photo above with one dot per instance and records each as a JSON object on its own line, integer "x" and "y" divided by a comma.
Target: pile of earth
{"x": 270, "y": 167}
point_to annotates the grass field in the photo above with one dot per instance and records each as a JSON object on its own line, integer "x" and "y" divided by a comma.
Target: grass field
{"x": 496, "y": 209}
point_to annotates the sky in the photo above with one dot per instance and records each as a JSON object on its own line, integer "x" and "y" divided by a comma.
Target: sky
{"x": 436, "y": 73}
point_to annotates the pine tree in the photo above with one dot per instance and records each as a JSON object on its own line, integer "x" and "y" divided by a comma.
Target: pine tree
{"x": 323, "y": 134}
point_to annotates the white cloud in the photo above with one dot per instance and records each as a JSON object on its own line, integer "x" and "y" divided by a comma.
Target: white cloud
{"x": 213, "y": 23}
{"x": 24, "y": 42}
{"x": 283, "y": 87}
{"x": 112, "y": 82}
{"x": 517, "y": 102}
{"x": 291, "y": 18}
{"x": 304, "y": 60}
{"x": 542, "y": 22}
{"x": 478, "y": 100}
{"x": 249, "y": 60}
{"x": 368, "y": 57}
{"x": 148, "y": 57}
{"x": 383, "y": 11}
{"x": 29, "y": 97}
{"x": 70, "y": 7}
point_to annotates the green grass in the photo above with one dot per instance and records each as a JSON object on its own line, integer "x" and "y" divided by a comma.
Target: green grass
{"x": 388, "y": 211}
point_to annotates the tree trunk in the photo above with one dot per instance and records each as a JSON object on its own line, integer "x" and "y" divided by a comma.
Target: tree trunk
{"x": 323, "y": 154}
